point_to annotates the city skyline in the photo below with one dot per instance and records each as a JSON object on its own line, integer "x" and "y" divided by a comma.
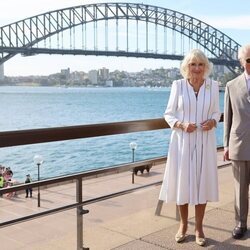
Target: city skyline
{"x": 230, "y": 18}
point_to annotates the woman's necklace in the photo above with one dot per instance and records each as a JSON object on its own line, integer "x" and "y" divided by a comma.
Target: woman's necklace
{"x": 196, "y": 87}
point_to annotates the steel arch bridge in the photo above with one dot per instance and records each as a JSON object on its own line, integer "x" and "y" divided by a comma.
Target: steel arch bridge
{"x": 127, "y": 29}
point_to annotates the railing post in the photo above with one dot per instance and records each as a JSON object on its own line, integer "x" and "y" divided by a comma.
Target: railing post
{"x": 159, "y": 208}
{"x": 133, "y": 176}
{"x": 177, "y": 214}
{"x": 79, "y": 214}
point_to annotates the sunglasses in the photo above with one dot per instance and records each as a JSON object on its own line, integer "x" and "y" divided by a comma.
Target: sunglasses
{"x": 247, "y": 60}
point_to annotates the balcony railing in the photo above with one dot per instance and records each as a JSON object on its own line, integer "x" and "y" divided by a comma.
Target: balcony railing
{"x": 24, "y": 137}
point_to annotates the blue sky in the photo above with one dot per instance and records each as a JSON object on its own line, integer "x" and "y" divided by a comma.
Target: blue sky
{"x": 230, "y": 17}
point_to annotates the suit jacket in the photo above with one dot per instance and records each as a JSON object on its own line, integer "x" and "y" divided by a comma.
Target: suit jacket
{"x": 237, "y": 119}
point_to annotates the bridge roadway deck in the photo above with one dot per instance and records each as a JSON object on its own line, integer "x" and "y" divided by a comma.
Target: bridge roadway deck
{"x": 123, "y": 223}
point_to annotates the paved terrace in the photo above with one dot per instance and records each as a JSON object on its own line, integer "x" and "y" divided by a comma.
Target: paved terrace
{"x": 126, "y": 222}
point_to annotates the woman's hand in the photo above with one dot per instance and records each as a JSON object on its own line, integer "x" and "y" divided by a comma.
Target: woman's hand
{"x": 186, "y": 126}
{"x": 189, "y": 127}
{"x": 208, "y": 124}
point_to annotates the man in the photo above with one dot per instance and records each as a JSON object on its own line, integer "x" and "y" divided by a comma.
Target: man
{"x": 28, "y": 190}
{"x": 237, "y": 139}
{"x": 1, "y": 182}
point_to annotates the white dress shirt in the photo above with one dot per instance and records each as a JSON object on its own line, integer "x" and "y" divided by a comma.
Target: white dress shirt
{"x": 248, "y": 81}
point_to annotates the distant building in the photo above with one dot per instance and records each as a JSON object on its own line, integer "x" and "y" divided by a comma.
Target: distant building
{"x": 172, "y": 73}
{"x": 77, "y": 77}
{"x": 65, "y": 73}
{"x": 103, "y": 74}
{"x": 92, "y": 74}
{"x": 147, "y": 71}
{"x": 1, "y": 72}
{"x": 221, "y": 69}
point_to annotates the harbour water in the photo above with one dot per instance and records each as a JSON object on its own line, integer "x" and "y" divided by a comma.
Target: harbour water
{"x": 43, "y": 107}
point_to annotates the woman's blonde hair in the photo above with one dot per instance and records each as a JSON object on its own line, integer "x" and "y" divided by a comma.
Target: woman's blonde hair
{"x": 197, "y": 56}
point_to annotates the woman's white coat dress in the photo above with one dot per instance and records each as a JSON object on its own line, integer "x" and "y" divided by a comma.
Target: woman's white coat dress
{"x": 191, "y": 169}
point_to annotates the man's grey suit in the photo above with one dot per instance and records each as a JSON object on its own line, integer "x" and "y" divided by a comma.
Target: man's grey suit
{"x": 237, "y": 139}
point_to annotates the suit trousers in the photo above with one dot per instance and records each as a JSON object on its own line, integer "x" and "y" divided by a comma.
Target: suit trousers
{"x": 241, "y": 172}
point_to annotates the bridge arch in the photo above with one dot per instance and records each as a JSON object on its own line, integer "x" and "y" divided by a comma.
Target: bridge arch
{"x": 23, "y": 36}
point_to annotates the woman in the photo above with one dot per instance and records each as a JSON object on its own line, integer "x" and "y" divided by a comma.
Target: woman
{"x": 191, "y": 170}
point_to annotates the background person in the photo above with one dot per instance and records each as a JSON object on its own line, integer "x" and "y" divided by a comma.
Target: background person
{"x": 1, "y": 182}
{"x": 237, "y": 139}
{"x": 191, "y": 170}
{"x": 28, "y": 190}
{"x": 9, "y": 181}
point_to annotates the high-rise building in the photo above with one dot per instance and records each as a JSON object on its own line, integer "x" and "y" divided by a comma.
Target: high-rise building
{"x": 92, "y": 74}
{"x": 65, "y": 72}
{"x": 104, "y": 74}
{"x": 1, "y": 72}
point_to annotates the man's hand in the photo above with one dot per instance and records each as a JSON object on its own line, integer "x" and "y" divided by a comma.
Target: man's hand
{"x": 226, "y": 155}
{"x": 208, "y": 125}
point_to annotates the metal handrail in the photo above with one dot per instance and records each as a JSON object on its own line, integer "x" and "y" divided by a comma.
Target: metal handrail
{"x": 32, "y": 136}
{"x": 24, "y": 137}
{"x": 82, "y": 175}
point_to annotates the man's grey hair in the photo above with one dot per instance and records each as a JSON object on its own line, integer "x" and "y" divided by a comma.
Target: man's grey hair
{"x": 242, "y": 52}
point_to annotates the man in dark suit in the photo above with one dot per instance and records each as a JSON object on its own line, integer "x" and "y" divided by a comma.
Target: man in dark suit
{"x": 237, "y": 139}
